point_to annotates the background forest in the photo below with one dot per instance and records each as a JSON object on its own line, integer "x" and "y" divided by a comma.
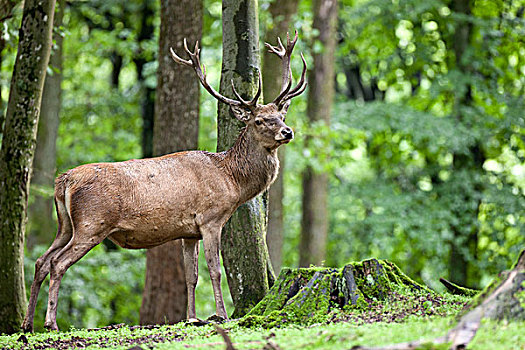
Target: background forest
{"x": 424, "y": 151}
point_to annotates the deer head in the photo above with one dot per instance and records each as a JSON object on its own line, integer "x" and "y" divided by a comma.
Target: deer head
{"x": 268, "y": 121}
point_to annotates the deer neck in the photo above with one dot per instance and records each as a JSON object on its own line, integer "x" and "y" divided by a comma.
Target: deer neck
{"x": 253, "y": 167}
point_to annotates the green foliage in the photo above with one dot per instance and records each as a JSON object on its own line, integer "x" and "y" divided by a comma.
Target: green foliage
{"x": 99, "y": 122}
{"x": 397, "y": 188}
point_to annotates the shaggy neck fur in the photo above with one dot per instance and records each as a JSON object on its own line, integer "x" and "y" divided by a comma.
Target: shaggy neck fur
{"x": 252, "y": 166}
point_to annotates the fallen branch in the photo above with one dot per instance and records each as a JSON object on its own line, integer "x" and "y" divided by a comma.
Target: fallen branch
{"x": 458, "y": 290}
{"x": 502, "y": 299}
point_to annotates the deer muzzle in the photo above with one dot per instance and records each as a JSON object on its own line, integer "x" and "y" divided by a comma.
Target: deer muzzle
{"x": 285, "y": 135}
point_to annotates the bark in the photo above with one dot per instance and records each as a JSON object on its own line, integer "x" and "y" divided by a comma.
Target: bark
{"x": 356, "y": 89}
{"x": 467, "y": 164}
{"x": 148, "y": 93}
{"x": 16, "y": 155}
{"x": 320, "y": 99}
{"x": 117, "y": 62}
{"x": 281, "y": 13}
{"x": 42, "y": 225}
{"x": 244, "y": 252}
{"x": 2, "y": 115}
{"x": 176, "y": 129}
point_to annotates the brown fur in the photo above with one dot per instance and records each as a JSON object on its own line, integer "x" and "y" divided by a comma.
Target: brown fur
{"x": 186, "y": 195}
{"x": 147, "y": 202}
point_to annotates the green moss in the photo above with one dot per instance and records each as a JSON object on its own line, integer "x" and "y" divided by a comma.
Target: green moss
{"x": 318, "y": 294}
{"x": 371, "y": 279}
{"x": 520, "y": 295}
{"x": 289, "y": 282}
{"x": 298, "y": 296}
{"x": 398, "y": 278}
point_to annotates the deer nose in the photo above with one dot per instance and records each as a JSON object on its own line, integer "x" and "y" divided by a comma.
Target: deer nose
{"x": 287, "y": 133}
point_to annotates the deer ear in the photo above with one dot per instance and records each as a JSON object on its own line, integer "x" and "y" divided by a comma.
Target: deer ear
{"x": 242, "y": 114}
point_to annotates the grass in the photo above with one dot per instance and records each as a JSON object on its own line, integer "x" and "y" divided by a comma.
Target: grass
{"x": 339, "y": 335}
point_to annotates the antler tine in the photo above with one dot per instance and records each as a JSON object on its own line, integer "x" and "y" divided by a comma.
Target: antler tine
{"x": 291, "y": 44}
{"x": 179, "y": 60}
{"x": 296, "y": 93}
{"x": 244, "y": 102}
{"x": 194, "y": 62}
{"x": 278, "y": 50}
{"x": 301, "y": 81}
{"x": 283, "y": 93}
{"x": 299, "y": 88}
{"x": 253, "y": 101}
{"x": 285, "y": 55}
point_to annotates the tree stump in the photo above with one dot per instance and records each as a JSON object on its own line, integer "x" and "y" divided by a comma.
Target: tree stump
{"x": 310, "y": 294}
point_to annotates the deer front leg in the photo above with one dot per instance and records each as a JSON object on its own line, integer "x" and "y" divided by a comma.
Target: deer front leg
{"x": 212, "y": 244}
{"x": 190, "y": 249}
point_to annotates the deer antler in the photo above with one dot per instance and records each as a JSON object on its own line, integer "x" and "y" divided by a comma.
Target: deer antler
{"x": 285, "y": 55}
{"x": 195, "y": 63}
{"x": 253, "y": 102}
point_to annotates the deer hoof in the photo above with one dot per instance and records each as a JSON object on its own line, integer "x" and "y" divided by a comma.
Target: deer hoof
{"x": 51, "y": 326}
{"x": 217, "y": 319}
{"x": 197, "y": 322}
{"x": 27, "y": 328}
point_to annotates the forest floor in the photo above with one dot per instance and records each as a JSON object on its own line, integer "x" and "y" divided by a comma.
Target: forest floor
{"x": 334, "y": 335}
{"x": 408, "y": 312}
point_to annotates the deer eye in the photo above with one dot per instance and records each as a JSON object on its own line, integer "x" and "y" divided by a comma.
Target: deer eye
{"x": 258, "y": 121}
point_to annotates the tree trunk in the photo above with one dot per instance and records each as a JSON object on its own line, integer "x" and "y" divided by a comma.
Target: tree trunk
{"x": 148, "y": 93}
{"x": 117, "y": 62}
{"x": 281, "y": 14}
{"x": 42, "y": 225}
{"x": 244, "y": 252}
{"x": 16, "y": 155}
{"x": 2, "y": 115}
{"x": 466, "y": 179}
{"x": 320, "y": 99}
{"x": 176, "y": 128}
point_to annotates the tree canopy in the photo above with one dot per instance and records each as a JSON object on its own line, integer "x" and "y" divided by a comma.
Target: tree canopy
{"x": 425, "y": 150}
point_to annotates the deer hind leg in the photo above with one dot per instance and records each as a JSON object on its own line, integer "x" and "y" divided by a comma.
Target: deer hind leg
{"x": 190, "y": 249}
{"x": 212, "y": 244}
{"x": 79, "y": 246}
{"x": 43, "y": 264}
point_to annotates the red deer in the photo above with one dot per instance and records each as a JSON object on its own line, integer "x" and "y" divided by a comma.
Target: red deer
{"x": 185, "y": 195}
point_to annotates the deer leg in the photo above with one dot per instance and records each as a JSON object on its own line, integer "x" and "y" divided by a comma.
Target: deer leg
{"x": 43, "y": 265}
{"x": 191, "y": 269}
{"x": 212, "y": 244}
{"x": 69, "y": 255}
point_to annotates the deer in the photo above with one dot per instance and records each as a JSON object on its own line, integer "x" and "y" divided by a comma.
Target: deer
{"x": 186, "y": 195}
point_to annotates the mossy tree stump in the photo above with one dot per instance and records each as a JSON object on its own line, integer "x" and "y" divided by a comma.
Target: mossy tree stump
{"x": 310, "y": 294}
